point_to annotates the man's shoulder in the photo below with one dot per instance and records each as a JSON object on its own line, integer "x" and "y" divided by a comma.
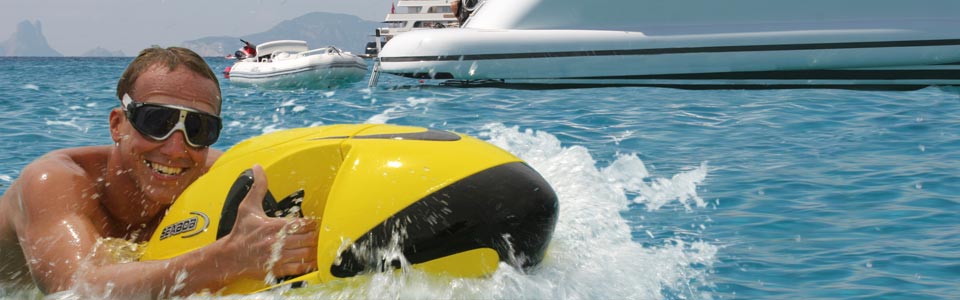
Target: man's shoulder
{"x": 67, "y": 162}
{"x": 56, "y": 177}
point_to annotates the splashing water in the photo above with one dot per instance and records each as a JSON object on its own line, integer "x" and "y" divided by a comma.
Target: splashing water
{"x": 592, "y": 248}
{"x": 825, "y": 192}
{"x": 402, "y": 110}
{"x": 592, "y": 254}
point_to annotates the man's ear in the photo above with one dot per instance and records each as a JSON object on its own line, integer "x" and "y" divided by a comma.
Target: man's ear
{"x": 116, "y": 120}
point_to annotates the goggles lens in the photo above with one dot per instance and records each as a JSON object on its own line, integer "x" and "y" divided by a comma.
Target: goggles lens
{"x": 158, "y": 122}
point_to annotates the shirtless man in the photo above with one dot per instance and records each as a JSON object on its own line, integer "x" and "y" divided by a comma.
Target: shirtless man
{"x": 65, "y": 201}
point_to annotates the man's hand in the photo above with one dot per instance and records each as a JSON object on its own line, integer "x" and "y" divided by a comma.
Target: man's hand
{"x": 259, "y": 245}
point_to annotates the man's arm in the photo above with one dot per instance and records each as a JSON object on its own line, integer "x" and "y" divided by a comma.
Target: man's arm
{"x": 61, "y": 224}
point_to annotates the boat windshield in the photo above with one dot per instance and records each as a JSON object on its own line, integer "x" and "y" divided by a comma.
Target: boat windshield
{"x": 440, "y": 9}
{"x": 396, "y": 24}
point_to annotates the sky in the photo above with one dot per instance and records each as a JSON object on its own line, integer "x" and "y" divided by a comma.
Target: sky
{"x": 74, "y": 27}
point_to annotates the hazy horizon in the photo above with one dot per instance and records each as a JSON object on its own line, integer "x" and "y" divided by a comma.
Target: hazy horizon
{"x": 75, "y": 27}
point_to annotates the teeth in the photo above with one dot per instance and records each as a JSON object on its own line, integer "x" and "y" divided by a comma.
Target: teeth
{"x": 167, "y": 170}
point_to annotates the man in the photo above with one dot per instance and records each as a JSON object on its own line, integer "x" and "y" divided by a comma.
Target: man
{"x": 52, "y": 217}
{"x": 462, "y": 9}
{"x": 248, "y": 50}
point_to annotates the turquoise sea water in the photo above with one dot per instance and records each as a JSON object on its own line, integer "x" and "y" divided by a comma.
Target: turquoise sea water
{"x": 664, "y": 193}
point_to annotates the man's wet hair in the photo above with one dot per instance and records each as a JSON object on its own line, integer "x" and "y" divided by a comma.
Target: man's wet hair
{"x": 171, "y": 57}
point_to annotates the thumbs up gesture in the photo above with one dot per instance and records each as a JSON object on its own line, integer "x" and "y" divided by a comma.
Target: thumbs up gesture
{"x": 259, "y": 246}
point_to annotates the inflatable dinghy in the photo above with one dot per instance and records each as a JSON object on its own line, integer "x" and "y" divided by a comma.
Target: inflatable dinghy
{"x": 452, "y": 204}
{"x": 289, "y": 64}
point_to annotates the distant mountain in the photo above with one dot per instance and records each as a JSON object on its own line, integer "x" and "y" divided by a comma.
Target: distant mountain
{"x": 318, "y": 29}
{"x": 28, "y": 40}
{"x": 101, "y": 52}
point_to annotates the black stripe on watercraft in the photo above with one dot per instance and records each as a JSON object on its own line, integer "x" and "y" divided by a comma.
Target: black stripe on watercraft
{"x": 508, "y": 208}
{"x": 486, "y": 83}
{"x": 891, "y": 74}
{"x": 680, "y": 50}
{"x": 813, "y": 74}
{"x": 858, "y": 87}
{"x": 685, "y": 86}
{"x": 429, "y": 135}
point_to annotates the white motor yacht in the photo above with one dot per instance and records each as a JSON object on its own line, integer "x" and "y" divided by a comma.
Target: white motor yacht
{"x": 857, "y": 44}
{"x": 408, "y": 16}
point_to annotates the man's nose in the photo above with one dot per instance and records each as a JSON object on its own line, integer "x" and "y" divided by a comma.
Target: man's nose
{"x": 176, "y": 145}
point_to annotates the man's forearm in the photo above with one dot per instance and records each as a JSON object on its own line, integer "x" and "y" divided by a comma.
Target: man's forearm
{"x": 157, "y": 279}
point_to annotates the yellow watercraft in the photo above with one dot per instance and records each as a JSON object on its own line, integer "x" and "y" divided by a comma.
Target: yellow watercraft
{"x": 454, "y": 205}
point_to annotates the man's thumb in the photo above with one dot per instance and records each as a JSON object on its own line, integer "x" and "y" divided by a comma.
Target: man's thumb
{"x": 258, "y": 191}
{"x": 244, "y": 198}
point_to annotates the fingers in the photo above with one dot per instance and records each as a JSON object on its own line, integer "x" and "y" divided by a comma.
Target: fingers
{"x": 296, "y": 267}
{"x": 300, "y": 233}
{"x": 298, "y": 254}
{"x": 300, "y": 240}
{"x": 300, "y": 225}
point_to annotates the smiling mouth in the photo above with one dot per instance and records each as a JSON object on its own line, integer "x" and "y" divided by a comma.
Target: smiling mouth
{"x": 162, "y": 169}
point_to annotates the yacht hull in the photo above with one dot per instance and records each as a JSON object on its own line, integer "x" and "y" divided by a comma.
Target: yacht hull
{"x": 830, "y": 58}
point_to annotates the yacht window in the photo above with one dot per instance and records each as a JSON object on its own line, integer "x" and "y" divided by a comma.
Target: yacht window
{"x": 440, "y": 9}
{"x": 425, "y": 24}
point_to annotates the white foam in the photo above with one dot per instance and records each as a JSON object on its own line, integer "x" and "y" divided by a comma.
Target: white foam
{"x": 593, "y": 254}
{"x": 71, "y": 123}
{"x": 290, "y": 102}
{"x": 384, "y": 117}
{"x": 271, "y": 128}
{"x": 682, "y": 187}
{"x": 401, "y": 110}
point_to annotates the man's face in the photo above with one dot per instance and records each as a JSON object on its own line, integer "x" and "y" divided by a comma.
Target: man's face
{"x": 163, "y": 169}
